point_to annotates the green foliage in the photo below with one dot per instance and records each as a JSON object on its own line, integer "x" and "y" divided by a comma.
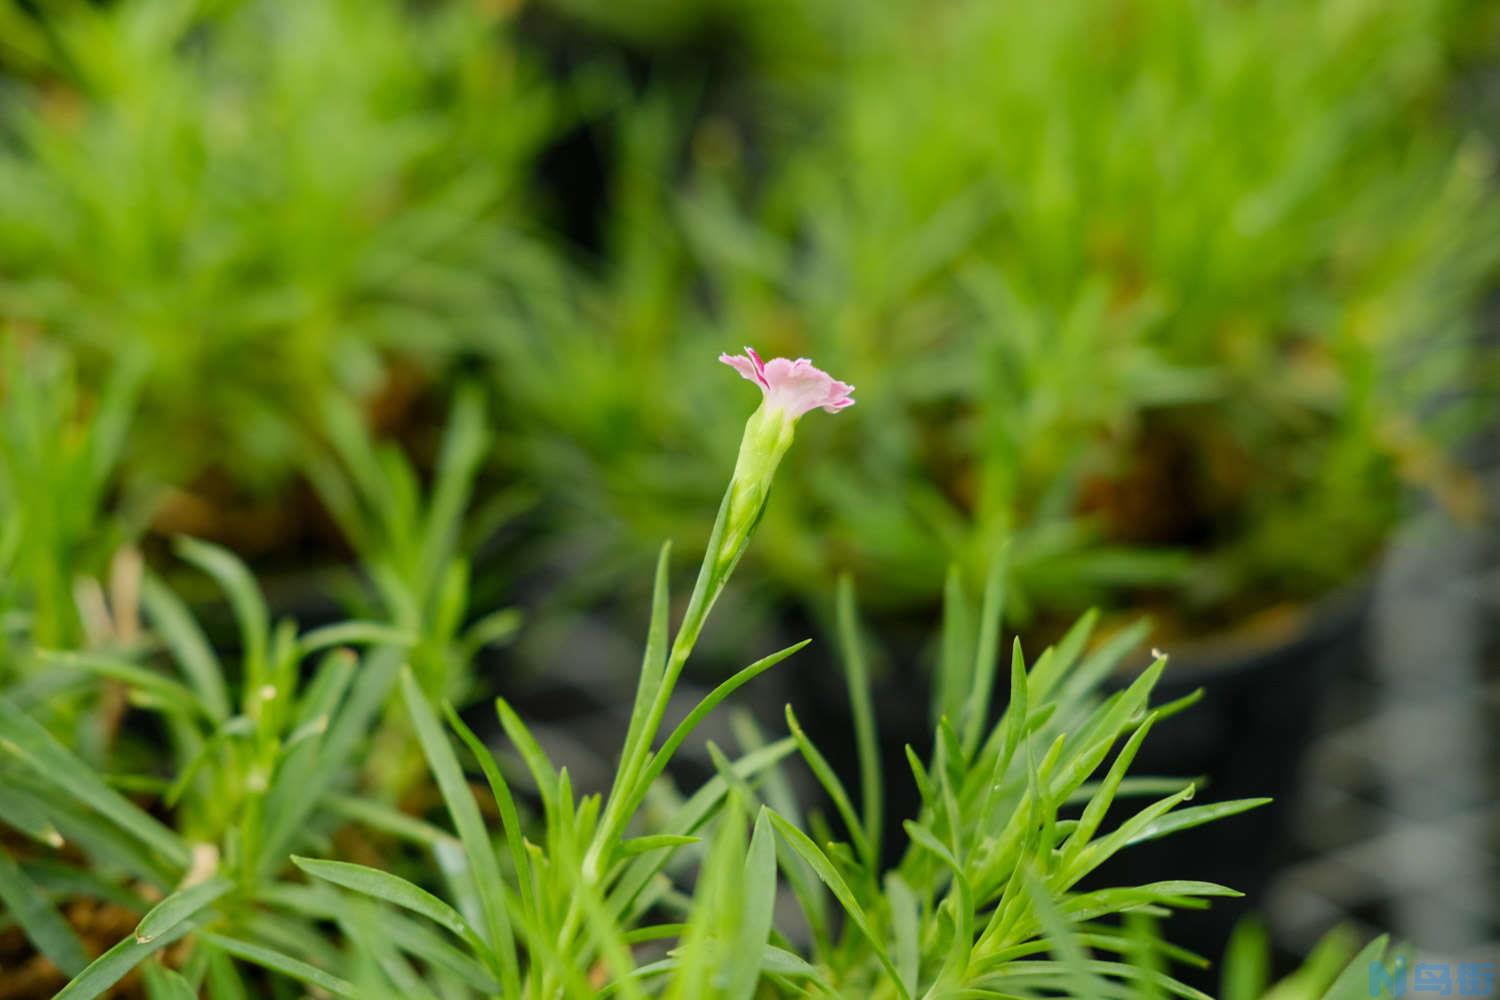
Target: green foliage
{"x": 252, "y": 759}
{"x": 59, "y": 452}
{"x": 412, "y": 541}
{"x": 1336, "y": 969}
{"x": 1174, "y": 302}
{"x": 636, "y": 892}
{"x": 259, "y": 203}
{"x": 985, "y": 902}
{"x": 1166, "y": 292}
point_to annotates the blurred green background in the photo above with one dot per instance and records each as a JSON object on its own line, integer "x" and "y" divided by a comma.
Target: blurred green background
{"x": 1182, "y": 298}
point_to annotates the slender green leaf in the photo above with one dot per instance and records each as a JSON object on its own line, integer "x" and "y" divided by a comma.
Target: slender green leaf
{"x": 274, "y": 960}
{"x": 1354, "y": 982}
{"x": 161, "y": 690}
{"x": 743, "y": 967}
{"x": 42, "y": 924}
{"x": 835, "y": 789}
{"x": 23, "y": 815}
{"x": 54, "y": 764}
{"x": 178, "y": 907}
{"x": 249, "y": 606}
{"x": 866, "y": 738}
{"x": 392, "y": 889}
{"x": 830, "y": 877}
{"x": 471, "y": 831}
{"x": 703, "y": 708}
{"x": 509, "y": 817}
{"x": 353, "y": 634}
{"x": 976, "y": 709}
{"x": 188, "y": 644}
{"x": 904, "y": 926}
{"x": 110, "y": 967}
{"x": 1186, "y": 819}
{"x": 163, "y": 983}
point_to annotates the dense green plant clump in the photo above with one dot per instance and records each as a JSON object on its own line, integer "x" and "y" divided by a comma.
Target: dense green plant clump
{"x": 260, "y": 204}
{"x": 734, "y": 891}
{"x": 1171, "y": 293}
{"x": 1176, "y": 295}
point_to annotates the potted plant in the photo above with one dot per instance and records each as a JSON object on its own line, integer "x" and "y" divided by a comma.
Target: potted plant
{"x": 1180, "y": 309}
{"x": 630, "y": 889}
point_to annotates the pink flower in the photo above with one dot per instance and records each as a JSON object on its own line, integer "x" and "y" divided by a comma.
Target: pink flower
{"x": 792, "y": 386}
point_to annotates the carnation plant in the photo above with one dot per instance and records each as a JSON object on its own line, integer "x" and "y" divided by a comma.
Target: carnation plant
{"x": 246, "y": 766}
{"x": 1184, "y": 314}
{"x": 273, "y": 749}
{"x": 258, "y": 204}
{"x": 735, "y": 891}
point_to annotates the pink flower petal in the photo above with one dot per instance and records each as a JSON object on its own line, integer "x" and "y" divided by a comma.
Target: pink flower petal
{"x": 794, "y": 386}
{"x": 746, "y": 367}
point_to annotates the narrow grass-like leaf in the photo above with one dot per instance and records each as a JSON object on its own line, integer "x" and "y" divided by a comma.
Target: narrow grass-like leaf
{"x": 285, "y": 964}
{"x": 302, "y": 784}
{"x": 703, "y": 955}
{"x": 1186, "y": 819}
{"x": 866, "y": 739}
{"x": 543, "y": 774}
{"x": 458, "y": 462}
{"x": 1094, "y": 812}
{"x": 38, "y": 920}
{"x": 431, "y": 946}
{"x": 653, "y": 663}
{"x": 1354, "y": 982}
{"x": 654, "y": 842}
{"x": 1173, "y": 892}
{"x": 1083, "y": 981}
{"x": 509, "y": 817}
{"x": 494, "y": 629}
{"x": 330, "y": 682}
{"x": 110, "y": 967}
{"x": 353, "y": 634}
{"x": 956, "y": 662}
{"x": 471, "y": 831}
{"x": 830, "y": 877}
{"x": 1247, "y": 961}
{"x": 1133, "y": 788}
{"x": 64, "y": 881}
{"x": 188, "y": 645}
{"x": 976, "y": 709}
{"x": 249, "y": 606}
{"x": 1318, "y": 972}
{"x": 1093, "y": 854}
{"x": 777, "y": 792}
{"x": 906, "y": 930}
{"x": 58, "y": 767}
{"x": 104, "y": 844}
{"x": 25, "y": 817}
{"x": 1066, "y": 652}
{"x": 392, "y": 889}
{"x": 701, "y": 710}
{"x": 163, "y": 983}
{"x": 180, "y": 906}
{"x": 689, "y": 817}
{"x": 1101, "y": 662}
{"x": 160, "y": 689}
{"x": 835, "y": 789}
{"x": 743, "y": 968}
